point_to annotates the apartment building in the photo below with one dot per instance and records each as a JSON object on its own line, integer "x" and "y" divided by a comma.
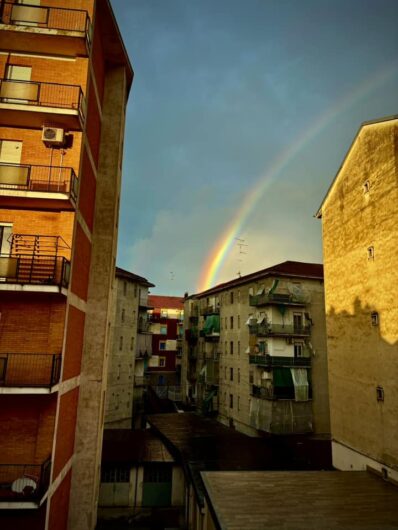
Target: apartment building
{"x": 255, "y": 351}
{"x": 131, "y": 346}
{"x": 359, "y": 228}
{"x": 166, "y": 318}
{"x": 64, "y": 83}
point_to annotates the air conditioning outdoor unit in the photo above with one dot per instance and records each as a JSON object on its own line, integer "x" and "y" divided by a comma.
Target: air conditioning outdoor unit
{"x": 53, "y": 137}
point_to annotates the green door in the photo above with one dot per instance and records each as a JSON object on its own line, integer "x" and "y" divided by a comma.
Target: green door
{"x": 157, "y": 485}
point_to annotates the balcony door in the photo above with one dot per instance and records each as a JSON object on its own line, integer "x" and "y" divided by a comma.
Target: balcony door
{"x": 14, "y": 90}
{"x": 7, "y": 265}
{"x": 297, "y": 321}
{"x": 29, "y": 15}
{"x": 11, "y": 173}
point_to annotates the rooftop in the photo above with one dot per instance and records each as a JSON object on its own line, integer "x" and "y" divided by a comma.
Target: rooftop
{"x": 289, "y": 269}
{"x": 166, "y": 302}
{"x": 121, "y": 273}
{"x": 295, "y": 500}
{"x": 126, "y": 446}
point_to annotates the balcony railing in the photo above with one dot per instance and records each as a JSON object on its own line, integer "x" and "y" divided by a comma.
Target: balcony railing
{"x": 276, "y": 298}
{"x": 141, "y": 380}
{"x": 269, "y": 361}
{"x": 48, "y": 179}
{"x": 34, "y": 269}
{"x": 37, "y": 93}
{"x": 266, "y": 330}
{"x": 57, "y": 18}
{"x": 29, "y": 369}
{"x": 210, "y": 310}
{"x": 24, "y": 482}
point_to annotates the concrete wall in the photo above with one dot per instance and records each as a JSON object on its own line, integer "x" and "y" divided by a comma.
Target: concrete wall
{"x": 121, "y": 366}
{"x": 363, "y": 356}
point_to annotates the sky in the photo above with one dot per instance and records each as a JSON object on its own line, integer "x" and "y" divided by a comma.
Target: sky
{"x": 240, "y": 114}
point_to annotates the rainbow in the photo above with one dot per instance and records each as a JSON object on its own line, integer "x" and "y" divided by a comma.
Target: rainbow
{"x": 216, "y": 258}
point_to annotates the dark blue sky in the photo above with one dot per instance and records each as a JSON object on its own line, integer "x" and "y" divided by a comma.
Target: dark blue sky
{"x": 221, "y": 88}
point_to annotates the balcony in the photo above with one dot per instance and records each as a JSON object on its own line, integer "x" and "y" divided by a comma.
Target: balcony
{"x": 32, "y": 103}
{"x": 259, "y": 300}
{"x": 279, "y": 330}
{"x": 141, "y": 380}
{"x": 210, "y": 310}
{"x": 268, "y": 361}
{"x": 210, "y": 336}
{"x": 279, "y": 416}
{"x": 24, "y": 483}
{"x": 144, "y": 326}
{"x": 41, "y": 28}
{"x": 30, "y": 272}
{"x": 32, "y": 373}
{"x": 38, "y": 185}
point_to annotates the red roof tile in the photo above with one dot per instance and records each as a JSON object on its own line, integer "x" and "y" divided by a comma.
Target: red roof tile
{"x": 166, "y": 302}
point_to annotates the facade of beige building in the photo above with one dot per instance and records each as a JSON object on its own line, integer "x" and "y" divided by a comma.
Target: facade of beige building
{"x": 359, "y": 215}
{"x": 255, "y": 351}
{"x": 129, "y": 349}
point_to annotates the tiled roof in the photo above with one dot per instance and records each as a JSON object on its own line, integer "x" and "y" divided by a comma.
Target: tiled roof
{"x": 166, "y": 302}
{"x": 121, "y": 273}
{"x": 293, "y": 269}
{"x": 301, "y": 500}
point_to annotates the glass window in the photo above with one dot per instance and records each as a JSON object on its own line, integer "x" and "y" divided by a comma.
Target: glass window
{"x": 162, "y": 345}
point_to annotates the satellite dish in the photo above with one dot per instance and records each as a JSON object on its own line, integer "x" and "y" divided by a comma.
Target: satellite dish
{"x": 19, "y": 485}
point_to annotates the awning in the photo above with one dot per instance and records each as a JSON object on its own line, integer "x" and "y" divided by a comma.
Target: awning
{"x": 300, "y": 381}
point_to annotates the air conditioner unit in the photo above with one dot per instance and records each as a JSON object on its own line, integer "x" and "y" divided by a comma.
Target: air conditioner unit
{"x": 53, "y": 137}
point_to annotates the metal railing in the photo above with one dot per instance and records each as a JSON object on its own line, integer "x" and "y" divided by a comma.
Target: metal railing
{"x": 24, "y": 482}
{"x": 270, "y": 361}
{"x": 141, "y": 380}
{"x": 29, "y": 369}
{"x": 29, "y": 177}
{"x": 210, "y": 310}
{"x": 276, "y": 298}
{"x": 42, "y": 94}
{"x": 58, "y": 18}
{"x": 265, "y": 330}
{"x": 270, "y": 392}
{"x": 36, "y": 244}
{"x": 34, "y": 269}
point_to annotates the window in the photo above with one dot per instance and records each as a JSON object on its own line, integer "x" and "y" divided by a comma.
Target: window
{"x": 298, "y": 349}
{"x": 226, "y": 347}
{"x": 226, "y": 322}
{"x": 164, "y": 313}
{"x": 238, "y": 375}
{"x": 162, "y": 345}
{"x": 366, "y": 187}
{"x": 124, "y": 288}
{"x": 238, "y": 321}
{"x": 375, "y": 318}
{"x": 238, "y": 402}
{"x": 371, "y": 253}
{"x": 231, "y": 401}
{"x": 115, "y": 474}
{"x": 163, "y": 330}
{"x": 231, "y": 374}
{"x": 135, "y": 290}
{"x": 231, "y": 347}
{"x": 238, "y": 297}
{"x": 132, "y": 344}
{"x": 231, "y": 322}
{"x": 225, "y": 372}
{"x": 120, "y": 343}
{"x": 231, "y": 297}
{"x": 238, "y": 347}
{"x": 123, "y": 315}
{"x": 297, "y": 321}
{"x": 162, "y": 362}
{"x": 159, "y": 473}
{"x": 251, "y": 377}
{"x": 380, "y": 393}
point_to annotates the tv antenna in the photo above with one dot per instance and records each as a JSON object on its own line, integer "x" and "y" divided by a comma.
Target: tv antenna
{"x": 242, "y": 246}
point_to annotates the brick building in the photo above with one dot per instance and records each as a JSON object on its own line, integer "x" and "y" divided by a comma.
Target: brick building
{"x": 64, "y": 83}
{"x": 167, "y": 319}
